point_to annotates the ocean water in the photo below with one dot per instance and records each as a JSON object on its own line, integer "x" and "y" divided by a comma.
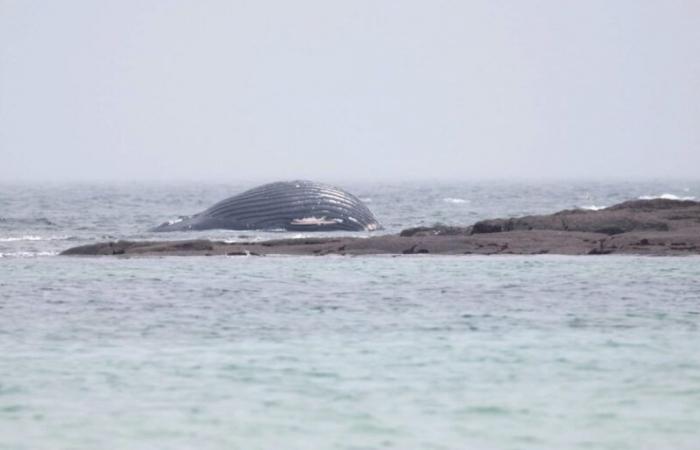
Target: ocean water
{"x": 410, "y": 352}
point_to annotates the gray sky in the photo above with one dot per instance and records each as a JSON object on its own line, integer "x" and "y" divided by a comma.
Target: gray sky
{"x": 263, "y": 90}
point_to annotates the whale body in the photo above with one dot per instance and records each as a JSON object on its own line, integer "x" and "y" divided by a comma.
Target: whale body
{"x": 290, "y": 205}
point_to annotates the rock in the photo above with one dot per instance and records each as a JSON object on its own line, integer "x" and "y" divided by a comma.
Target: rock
{"x": 645, "y": 227}
{"x": 635, "y": 215}
{"x": 436, "y": 230}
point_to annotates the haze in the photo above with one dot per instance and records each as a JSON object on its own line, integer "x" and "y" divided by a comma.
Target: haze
{"x": 266, "y": 90}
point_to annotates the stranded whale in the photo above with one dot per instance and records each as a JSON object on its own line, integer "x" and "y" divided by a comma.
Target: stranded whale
{"x": 290, "y": 205}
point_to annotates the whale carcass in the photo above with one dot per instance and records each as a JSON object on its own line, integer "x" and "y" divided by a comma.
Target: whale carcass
{"x": 290, "y": 205}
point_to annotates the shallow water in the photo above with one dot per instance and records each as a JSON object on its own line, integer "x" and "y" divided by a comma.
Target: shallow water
{"x": 506, "y": 352}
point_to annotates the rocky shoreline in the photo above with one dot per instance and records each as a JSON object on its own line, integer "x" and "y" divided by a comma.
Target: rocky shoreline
{"x": 640, "y": 227}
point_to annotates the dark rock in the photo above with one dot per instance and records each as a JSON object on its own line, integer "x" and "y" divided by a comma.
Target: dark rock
{"x": 655, "y": 204}
{"x": 636, "y": 215}
{"x": 647, "y": 227}
{"x": 436, "y": 230}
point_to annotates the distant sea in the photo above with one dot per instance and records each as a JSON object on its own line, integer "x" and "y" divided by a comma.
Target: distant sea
{"x": 409, "y": 352}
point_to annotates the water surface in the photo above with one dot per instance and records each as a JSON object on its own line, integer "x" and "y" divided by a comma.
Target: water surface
{"x": 424, "y": 352}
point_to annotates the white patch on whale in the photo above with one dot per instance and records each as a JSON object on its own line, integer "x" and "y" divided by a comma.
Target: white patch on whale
{"x": 315, "y": 221}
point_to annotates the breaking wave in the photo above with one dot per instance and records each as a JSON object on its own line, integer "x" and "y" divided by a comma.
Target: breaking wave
{"x": 454, "y": 200}
{"x": 666, "y": 197}
{"x": 26, "y": 254}
{"x": 31, "y": 237}
{"x": 26, "y": 221}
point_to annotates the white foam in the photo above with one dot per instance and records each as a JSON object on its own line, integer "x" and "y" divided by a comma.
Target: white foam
{"x": 30, "y": 237}
{"x": 174, "y": 221}
{"x": 666, "y": 197}
{"x": 26, "y": 254}
{"x": 454, "y": 200}
{"x": 592, "y": 207}
{"x": 252, "y": 238}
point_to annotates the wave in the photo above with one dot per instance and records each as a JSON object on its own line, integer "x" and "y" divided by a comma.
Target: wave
{"x": 666, "y": 197}
{"x": 454, "y": 200}
{"x": 26, "y": 254}
{"x": 174, "y": 221}
{"x": 31, "y": 237}
{"x": 592, "y": 207}
{"x": 243, "y": 239}
{"x": 28, "y": 221}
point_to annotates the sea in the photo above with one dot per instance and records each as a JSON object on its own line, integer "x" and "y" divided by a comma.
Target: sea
{"x": 339, "y": 352}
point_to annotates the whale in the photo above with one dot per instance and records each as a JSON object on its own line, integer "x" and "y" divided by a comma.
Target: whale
{"x": 299, "y": 205}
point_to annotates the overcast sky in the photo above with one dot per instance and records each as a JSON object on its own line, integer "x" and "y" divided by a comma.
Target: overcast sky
{"x": 265, "y": 90}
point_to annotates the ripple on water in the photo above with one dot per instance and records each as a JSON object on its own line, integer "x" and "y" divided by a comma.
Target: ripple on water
{"x": 410, "y": 352}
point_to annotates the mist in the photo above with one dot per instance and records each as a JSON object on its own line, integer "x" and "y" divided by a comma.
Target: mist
{"x": 364, "y": 90}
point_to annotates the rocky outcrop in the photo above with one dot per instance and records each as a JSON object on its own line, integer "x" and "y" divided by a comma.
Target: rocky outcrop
{"x": 636, "y": 215}
{"x": 437, "y": 230}
{"x": 645, "y": 227}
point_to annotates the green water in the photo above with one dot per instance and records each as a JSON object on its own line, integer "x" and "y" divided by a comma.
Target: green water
{"x": 350, "y": 353}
